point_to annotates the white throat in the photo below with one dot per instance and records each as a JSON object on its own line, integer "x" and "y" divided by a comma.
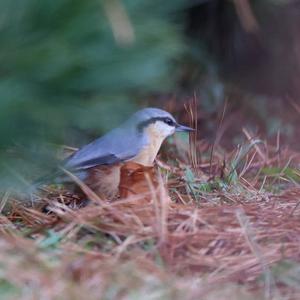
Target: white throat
{"x": 156, "y": 134}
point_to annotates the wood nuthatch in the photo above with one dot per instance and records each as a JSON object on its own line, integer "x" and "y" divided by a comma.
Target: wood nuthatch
{"x": 138, "y": 139}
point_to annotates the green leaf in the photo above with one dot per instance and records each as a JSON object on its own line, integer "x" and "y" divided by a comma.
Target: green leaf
{"x": 288, "y": 172}
{"x": 51, "y": 240}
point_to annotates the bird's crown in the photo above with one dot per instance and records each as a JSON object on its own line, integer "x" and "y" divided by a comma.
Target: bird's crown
{"x": 150, "y": 115}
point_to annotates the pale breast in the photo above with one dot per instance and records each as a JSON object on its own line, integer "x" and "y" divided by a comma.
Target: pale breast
{"x": 149, "y": 152}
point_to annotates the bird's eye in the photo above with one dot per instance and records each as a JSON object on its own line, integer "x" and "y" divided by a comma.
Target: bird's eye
{"x": 169, "y": 121}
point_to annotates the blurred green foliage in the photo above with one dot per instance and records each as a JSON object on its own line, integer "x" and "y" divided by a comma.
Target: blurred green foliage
{"x": 80, "y": 63}
{"x": 68, "y": 66}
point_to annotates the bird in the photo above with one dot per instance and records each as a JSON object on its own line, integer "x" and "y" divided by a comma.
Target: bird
{"x": 137, "y": 140}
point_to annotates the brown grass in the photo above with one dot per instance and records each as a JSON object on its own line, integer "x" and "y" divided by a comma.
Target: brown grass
{"x": 223, "y": 225}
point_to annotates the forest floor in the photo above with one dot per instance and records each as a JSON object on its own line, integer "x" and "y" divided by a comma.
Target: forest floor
{"x": 222, "y": 225}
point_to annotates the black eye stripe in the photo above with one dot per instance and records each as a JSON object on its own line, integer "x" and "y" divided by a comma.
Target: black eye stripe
{"x": 166, "y": 120}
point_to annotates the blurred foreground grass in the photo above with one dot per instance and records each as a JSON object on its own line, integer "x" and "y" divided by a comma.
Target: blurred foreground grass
{"x": 227, "y": 227}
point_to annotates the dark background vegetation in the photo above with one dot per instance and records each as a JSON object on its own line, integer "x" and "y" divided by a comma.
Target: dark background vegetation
{"x": 70, "y": 70}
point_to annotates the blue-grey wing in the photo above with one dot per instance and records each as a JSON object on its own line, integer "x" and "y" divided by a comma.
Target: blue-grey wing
{"x": 116, "y": 146}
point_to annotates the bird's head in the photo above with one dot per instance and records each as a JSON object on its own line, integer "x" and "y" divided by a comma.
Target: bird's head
{"x": 158, "y": 122}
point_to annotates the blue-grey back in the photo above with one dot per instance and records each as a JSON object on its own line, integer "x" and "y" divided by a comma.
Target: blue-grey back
{"x": 120, "y": 144}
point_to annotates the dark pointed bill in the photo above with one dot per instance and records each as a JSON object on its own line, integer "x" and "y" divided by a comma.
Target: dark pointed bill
{"x": 181, "y": 128}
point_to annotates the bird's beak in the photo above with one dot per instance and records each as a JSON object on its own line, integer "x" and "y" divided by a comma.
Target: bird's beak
{"x": 180, "y": 128}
